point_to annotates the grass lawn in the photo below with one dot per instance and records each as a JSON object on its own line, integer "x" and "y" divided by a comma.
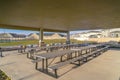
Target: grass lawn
{"x": 27, "y": 42}
{"x": 15, "y": 43}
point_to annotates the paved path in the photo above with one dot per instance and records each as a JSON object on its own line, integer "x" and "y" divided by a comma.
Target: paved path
{"x": 104, "y": 67}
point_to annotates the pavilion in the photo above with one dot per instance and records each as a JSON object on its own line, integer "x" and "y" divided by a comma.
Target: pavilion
{"x": 59, "y": 15}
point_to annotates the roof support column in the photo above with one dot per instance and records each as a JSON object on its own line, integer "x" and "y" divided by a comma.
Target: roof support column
{"x": 68, "y": 37}
{"x": 41, "y": 37}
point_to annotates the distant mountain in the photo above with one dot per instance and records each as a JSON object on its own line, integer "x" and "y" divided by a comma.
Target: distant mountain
{"x": 47, "y": 36}
{"x": 18, "y": 35}
{"x": 5, "y": 35}
{"x": 50, "y": 34}
{"x": 33, "y": 36}
{"x": 12, "y": 35}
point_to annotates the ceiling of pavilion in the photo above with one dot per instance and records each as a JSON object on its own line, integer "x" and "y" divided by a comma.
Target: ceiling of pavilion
{"x": 60, "y": 14}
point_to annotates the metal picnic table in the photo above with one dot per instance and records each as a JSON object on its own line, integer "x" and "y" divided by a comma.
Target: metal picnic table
{"x": 45, "y": 56}
{"x": 84, "y": 52}
{"x": 7, "y": 49}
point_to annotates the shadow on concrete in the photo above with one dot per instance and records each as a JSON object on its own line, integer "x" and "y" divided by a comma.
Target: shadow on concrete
{"x": 118, "y": 49}
{"x": 29, "y": 76}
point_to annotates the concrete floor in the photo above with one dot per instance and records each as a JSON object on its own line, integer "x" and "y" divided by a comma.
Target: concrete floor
{"x": 103, "y": 67}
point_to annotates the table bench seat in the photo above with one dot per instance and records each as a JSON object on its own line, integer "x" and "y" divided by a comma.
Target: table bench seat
{"x": 59, "y": 65}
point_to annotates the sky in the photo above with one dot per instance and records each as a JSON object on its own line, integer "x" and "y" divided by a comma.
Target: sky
{"x": 28, "y": 32}
{"x": 16, "y": 31}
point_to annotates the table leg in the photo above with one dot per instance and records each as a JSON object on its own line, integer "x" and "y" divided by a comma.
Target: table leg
{"x": 27, "y": 54}
{"x": 42, "y": 64}
{"x": 46, "y": 65}
{"x": 79, "y": 62}
{"x": 36, "y": 65}
{"x": 30, "y": 55}
{"x": 75, "y": 53}
{"x": 68, "y": 56}
{"x": 56, "y": 73}
{"x": 61, "y": 58}
{"x": 71, "y": 56}
{"x": 89, "y": 50}
{"x": 79, "y": 53}
{"x": 1, "y": 54}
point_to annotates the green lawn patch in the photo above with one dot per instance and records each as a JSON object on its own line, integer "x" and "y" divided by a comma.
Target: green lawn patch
{"x": 47, "y": 41}
{"x": 3, "y": 76}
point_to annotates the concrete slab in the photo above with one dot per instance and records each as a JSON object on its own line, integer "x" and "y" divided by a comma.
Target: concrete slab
{"x": 103, "y": 67}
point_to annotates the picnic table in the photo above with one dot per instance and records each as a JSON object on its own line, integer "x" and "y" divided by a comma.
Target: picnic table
{"x": 7, "y": 49}
{"x": 31, "y": 51}
{"x": 83, "y": 53}
{"x": 45, "y": 56}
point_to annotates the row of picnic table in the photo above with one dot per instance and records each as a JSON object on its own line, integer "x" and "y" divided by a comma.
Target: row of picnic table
{"x": 3, "y": 49}
{"x": 29, "y": 50}
{"x": 32, "y": 51}
{"x": 73, "y": 54}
